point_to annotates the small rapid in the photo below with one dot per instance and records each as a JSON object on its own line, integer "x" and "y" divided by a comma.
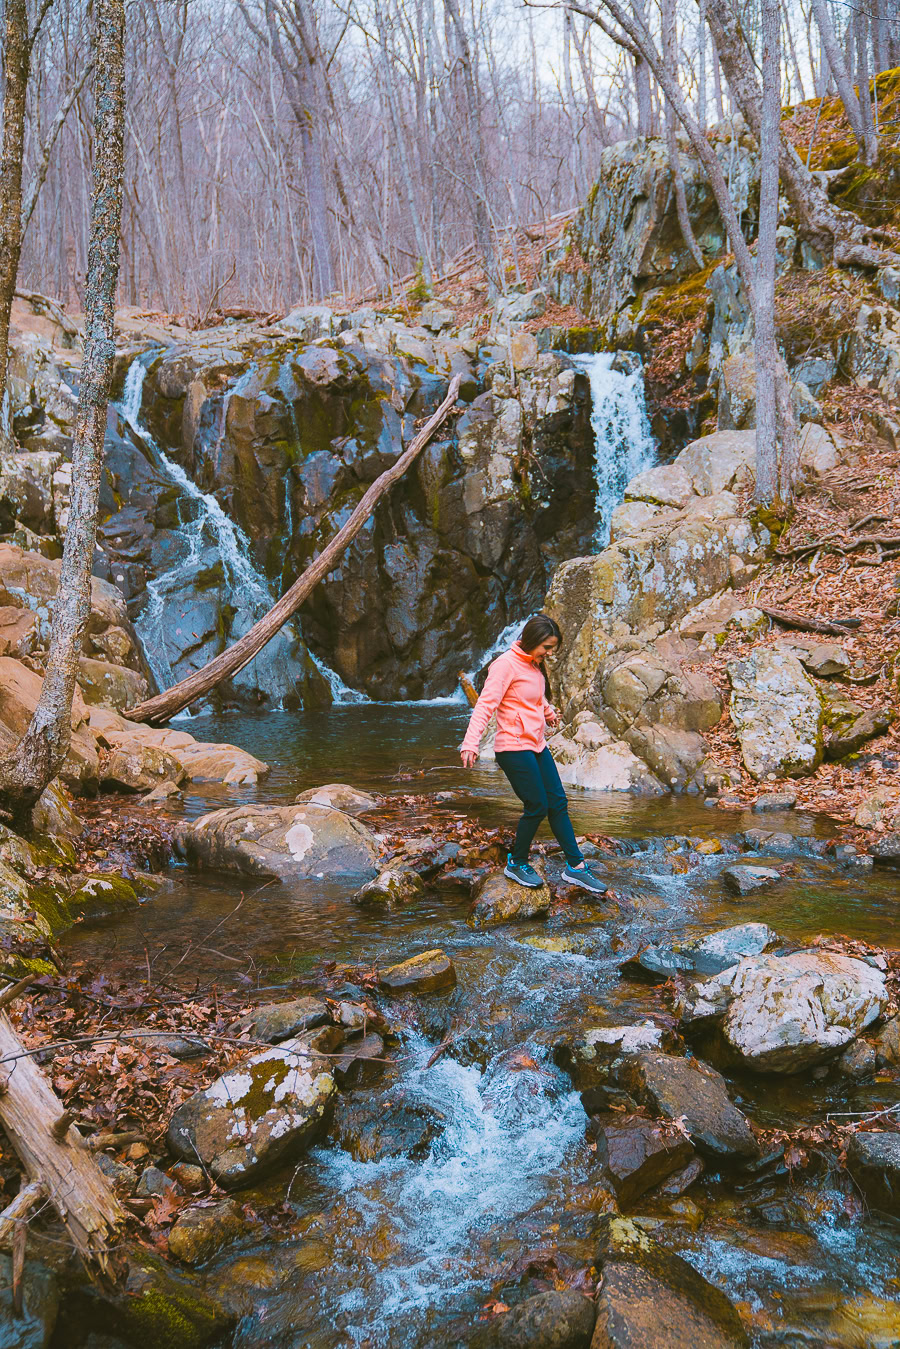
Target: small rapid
{"x": 623, "y": 443}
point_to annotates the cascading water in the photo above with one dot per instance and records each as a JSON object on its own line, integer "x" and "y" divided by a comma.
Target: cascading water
{"x": 623, "y": 443}
{"x": 204, "y": 529}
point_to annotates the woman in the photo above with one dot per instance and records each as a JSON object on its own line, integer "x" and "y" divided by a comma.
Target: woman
{"x": 518, "y": 690}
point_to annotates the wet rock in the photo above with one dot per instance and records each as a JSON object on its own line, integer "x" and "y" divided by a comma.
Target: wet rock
{"x": 774, "y": 801}
{"x": 427, "y": 972}
{"x": 102, "y": 895}
{"x": 777, "y": 714}
{"x": 140, "y": 768}
{"x": 459, "y": 878}
{"x": 497, "y": 899}
{"x": 681, "y": 1181}
{"x": 771, "y": 841}
{"x": 637, "y": 1154}
{"x": 156, "y": 1183}
{"x": 289, "y": 842}
{"x": 858, "y": 1061}
{"x": 362, "y": 1062}
{"x": 323, "y": 1039}
{"x": 886, "y": 850}
{"x": 40, "y": 1305}
{"x": 390, "y": 889}
{"x": 164, "y": 791}
{"x": 261, "y": 1113}
{"x": 707, "y": 955}
{"x": 154, "y": 1305}
{"x": 588, "y": 1058}
{"x": 203, "y": 1229}
{"x": 783, "y": 1014}
{"x": 191, "y": 1178}
{"x": 554, "y": 1320}
{"x": 276, "y": 1021}
{"x": 337, "y": 794}
{"x": 373, "y": 1130}
{"x": 743, "y": 880}
{"x": 887, "y": 1041}
{"x": 692, "y": 1092}
{"x": 123, "y": 1178}
{"x": 873, "y": 1160}
{"x": 648, "y": 1296}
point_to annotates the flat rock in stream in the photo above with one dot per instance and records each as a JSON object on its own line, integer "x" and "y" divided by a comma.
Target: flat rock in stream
{"x": 649, "y": 1298}
{"x": 637, "y": 1153}
{"x": 390, "y": 889}
{"x": 428, "y": 972}
{"x": 288, "y": 842}
{"x": 373, "y": 1130}
{"x": 692, "y": 1092}
{"x": 780, "y": 1014}
{"x": 554, "y": 1320}
{"x": 706, "y": 955}
{"x": 873, "y": 1160}
{"x": 588, "y": 1057}
{"x": 743, "y": 880}
{"x": 497, "y": 899}
{"x": 263, "y": 1112}
{"x": 339, "y": 796}
{"x": 200, "y": 1231}
{"x": 281, "y": 1020}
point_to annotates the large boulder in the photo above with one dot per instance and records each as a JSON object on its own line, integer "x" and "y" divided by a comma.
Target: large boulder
{"x": 20, "y": 689}
{"x": 261, "y": 1113}
{"x": 111, "y": 685}
{"x": 201, "y": 761}
{"x": 553, "y": 1320}
{"x": 777, "y": 714}
{"x": 648, "y": 1296}
{"x": 646, "y": 581}
{"x": 692, "y": 1092}
{"x": 594, "y": 760}
{"x": 290, "y": 842}
{"x": 780, "y": 1014}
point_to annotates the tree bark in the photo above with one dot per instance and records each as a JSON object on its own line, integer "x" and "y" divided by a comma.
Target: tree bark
{"x": 838, "y": 67}
{"x": 42, "y": 750}
{"x": 838, "y": 233}
{"x": 228, "y": 663}
{"x": 63, "y": 1167}
{"x": 765, "y": 348}
{"x": 861, "y": 25}
{"x": 670, "y": 56}
{"x": 16, "y": 61}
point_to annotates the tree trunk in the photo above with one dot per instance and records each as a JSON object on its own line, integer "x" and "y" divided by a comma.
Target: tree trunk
{"x": 227, "y": 663}
{"x": 840, "y": 72}
{"x": 835, "y": 232}
{"x": 861, "y": 24}
{"x": 478, "y": 191}
{"x": 31, "y": 1114}
{"x": 670, "y": 56}
{"x": 16, "y": 60}
{"x": 765, "y": 348}
{"x": 701, "y": 64}
{"x": 41, "y": 752}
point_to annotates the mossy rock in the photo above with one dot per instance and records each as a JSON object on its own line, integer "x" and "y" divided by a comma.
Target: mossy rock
{"x": 51, "y": 905}
{"x": 102, "y": 895}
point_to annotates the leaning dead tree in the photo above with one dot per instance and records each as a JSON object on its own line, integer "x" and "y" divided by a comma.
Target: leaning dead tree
{"x": 228, "y": 663}
{"x": 42, "y": 750}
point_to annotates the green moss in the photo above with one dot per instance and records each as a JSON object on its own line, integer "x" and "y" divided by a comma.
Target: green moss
{"x": 683, "y": 302}
{"x": 419, "y": 291}
{"x": 172, "y": 1317}
{"x": 51, "y": 905}
{"x": 103, "y": 894}
{"x": 774, "y": 518}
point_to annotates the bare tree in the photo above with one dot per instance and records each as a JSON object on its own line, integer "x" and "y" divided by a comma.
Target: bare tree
{"x": 40, "y": 754}
{"x": 670, "y": 56}
{"x": 765, "y": 345}
{"x": 842, "y": 78}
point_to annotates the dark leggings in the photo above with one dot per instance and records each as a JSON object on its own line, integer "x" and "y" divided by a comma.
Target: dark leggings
{"x": 535, "y": 781}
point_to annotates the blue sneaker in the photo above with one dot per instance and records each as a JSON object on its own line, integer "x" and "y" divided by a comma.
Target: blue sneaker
{"x": 584, "y": 879}
{"x": 523, "y": 874}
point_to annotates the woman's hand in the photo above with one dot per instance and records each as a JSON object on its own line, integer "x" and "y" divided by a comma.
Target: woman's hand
{"x": 468, "y": 757}
{"x": 552, "y": 717}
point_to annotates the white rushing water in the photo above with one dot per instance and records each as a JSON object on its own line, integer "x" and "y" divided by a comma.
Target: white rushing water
{"x": 209, "y": 528}
{"x": 623, "y": 444}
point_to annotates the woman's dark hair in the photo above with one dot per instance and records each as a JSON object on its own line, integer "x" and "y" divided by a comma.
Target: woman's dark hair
{"x": 538, "y": 628}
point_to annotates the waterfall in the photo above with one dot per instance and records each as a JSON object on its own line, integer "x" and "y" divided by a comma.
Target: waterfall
{"x": 208, "y": 528}
{"x": 623, "y": 444}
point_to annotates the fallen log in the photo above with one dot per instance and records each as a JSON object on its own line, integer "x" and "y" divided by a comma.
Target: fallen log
{"x": 831, "y": 628}
{"x": 63, "y": 1167}
{"x": 229, "y": 662}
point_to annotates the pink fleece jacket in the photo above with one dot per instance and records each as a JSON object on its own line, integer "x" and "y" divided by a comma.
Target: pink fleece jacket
{"x": 514, "y": 689}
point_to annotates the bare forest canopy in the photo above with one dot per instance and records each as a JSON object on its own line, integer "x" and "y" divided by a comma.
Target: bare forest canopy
{"x": 278, "y": 151}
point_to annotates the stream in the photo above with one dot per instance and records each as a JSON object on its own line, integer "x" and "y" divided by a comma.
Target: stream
{"x": 497, "y": 1174}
